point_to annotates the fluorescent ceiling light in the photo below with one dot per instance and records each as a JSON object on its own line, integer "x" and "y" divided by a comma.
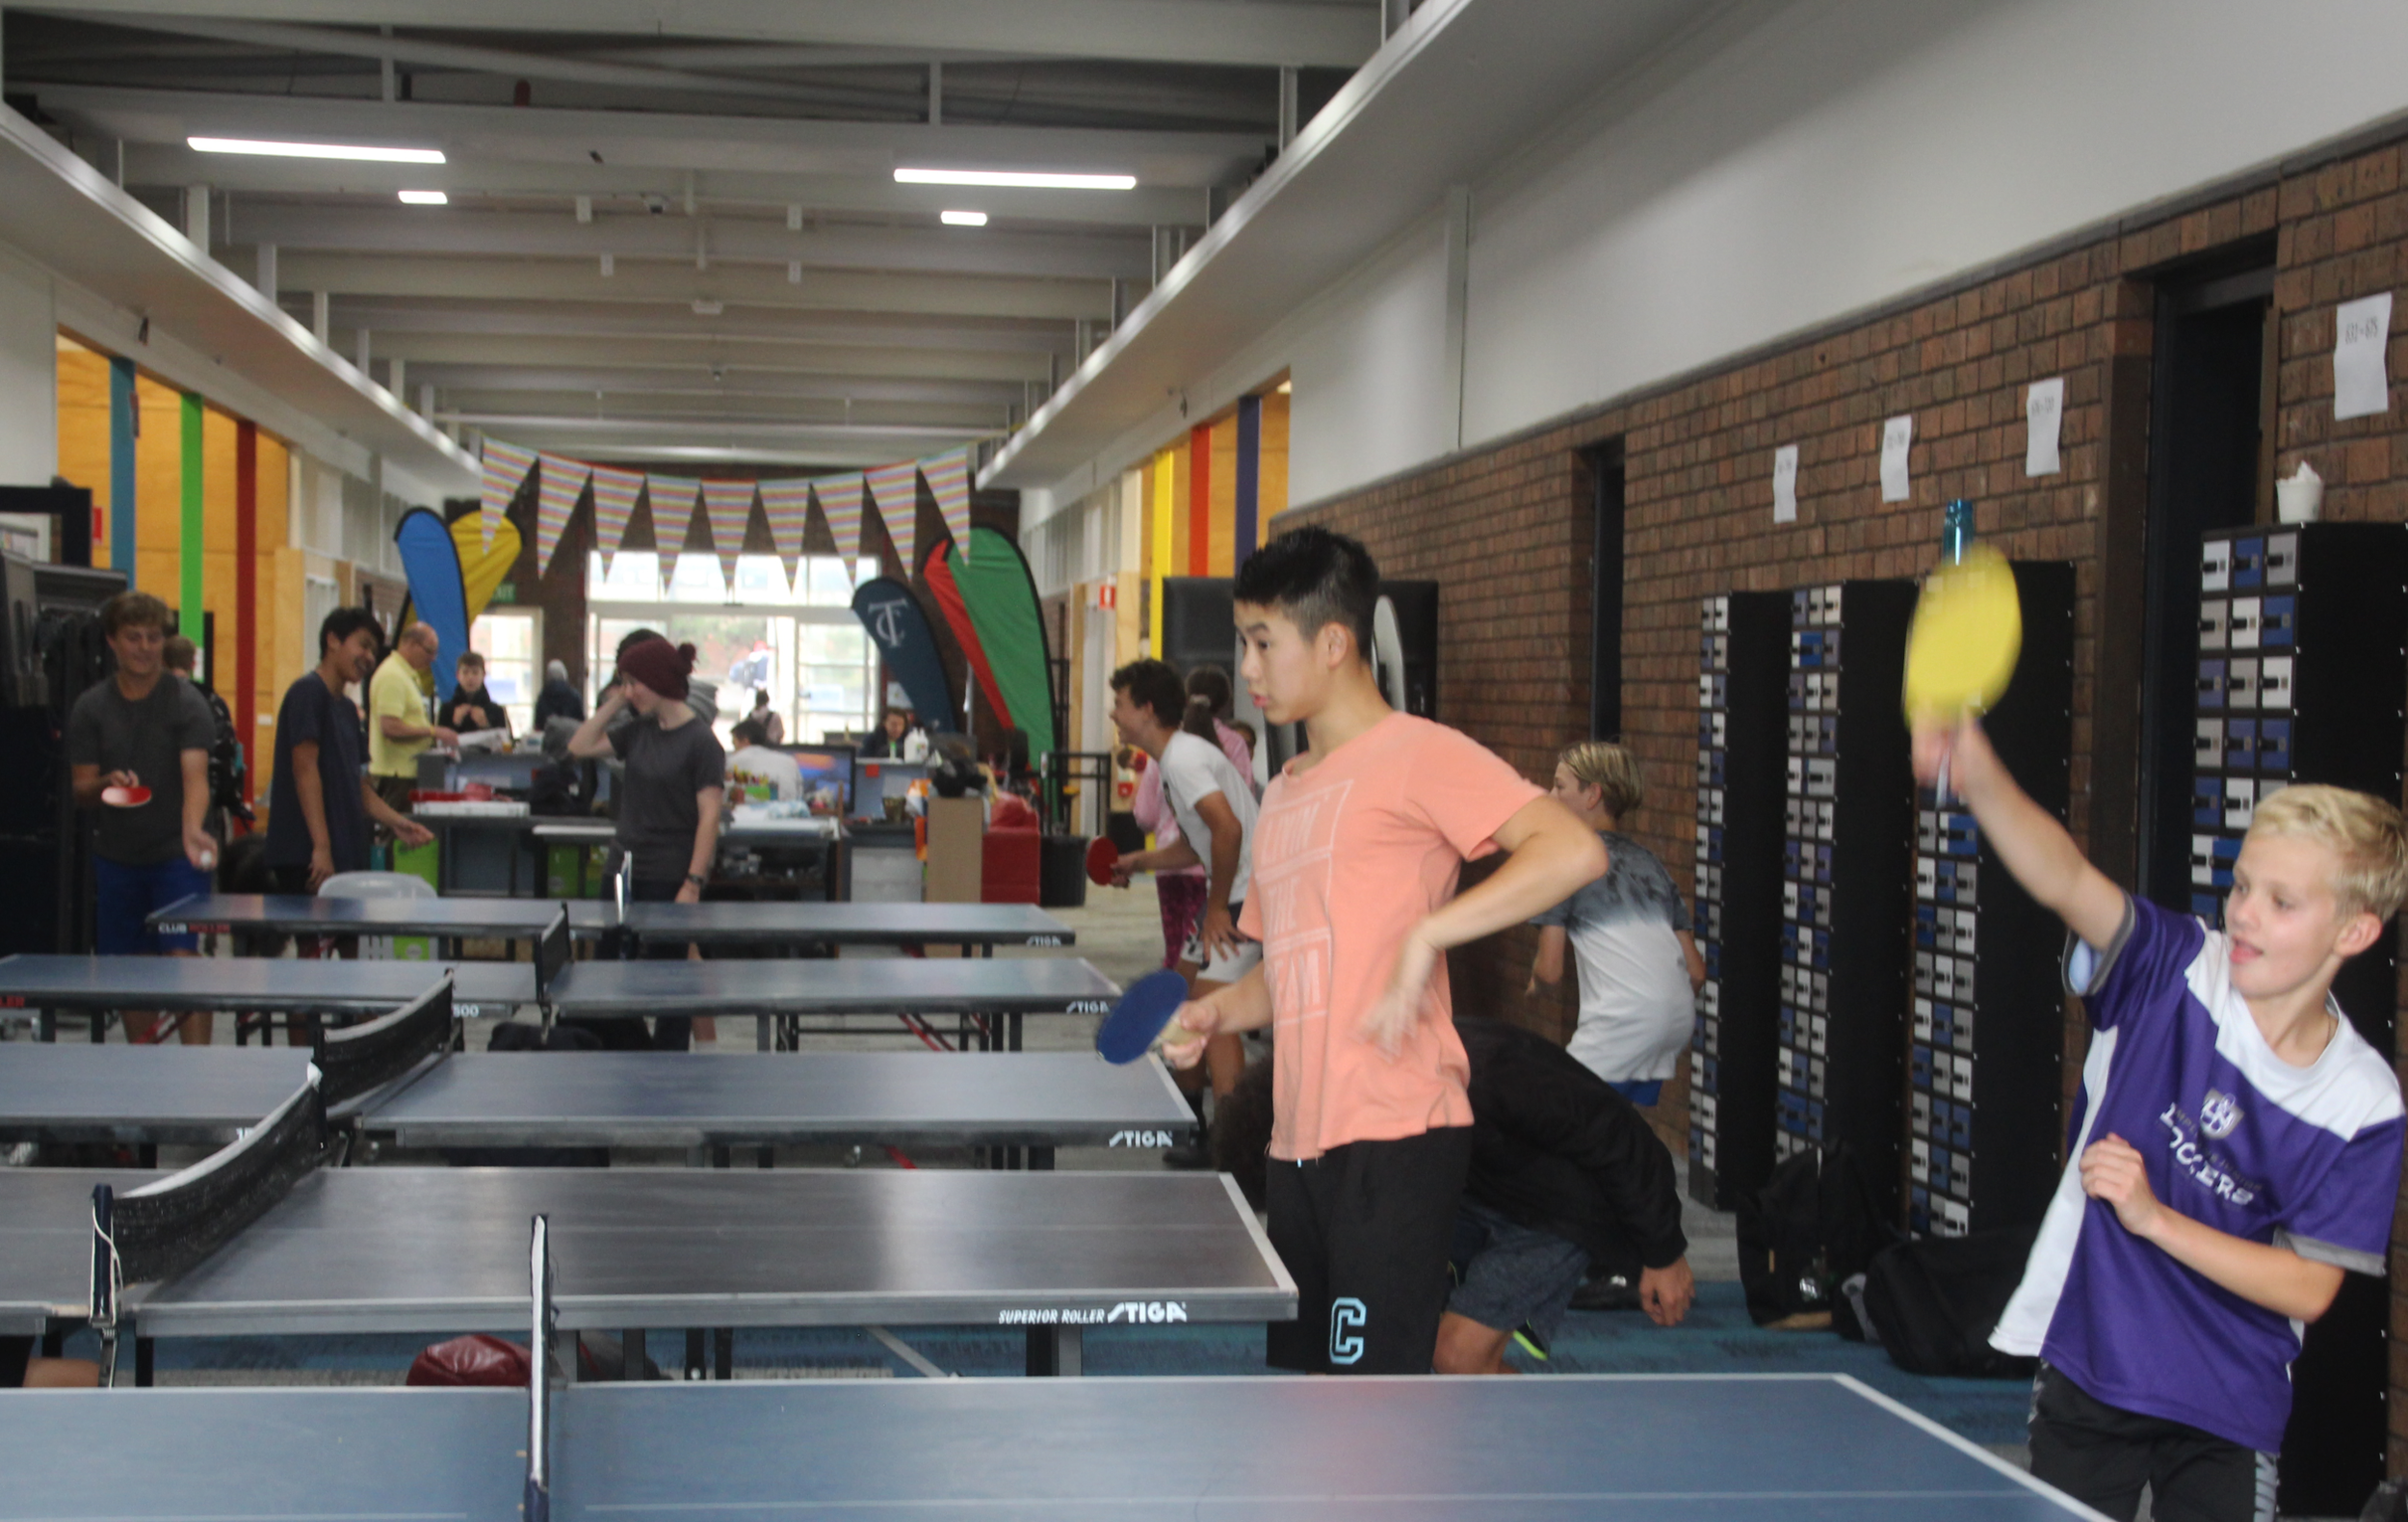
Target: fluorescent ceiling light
{"x": 962, "y": 219}
{"x": 315, "y": 150}
{"x": 1016, "y": 179}
{"x": 425, "y": 198}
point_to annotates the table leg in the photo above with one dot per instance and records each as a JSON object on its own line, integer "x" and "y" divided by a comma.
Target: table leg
{"x": 631, "y": 1354}
{"x": 694, "y": 1352}
{"x": 761, "y": 1031}
{"x": 1054, "y": 1351}
{"x": 144, "y": 1372}
{"x": 724, "y": 1354}
{"x": 1041, "y": 1159}
{"x": 45, "y": 1025}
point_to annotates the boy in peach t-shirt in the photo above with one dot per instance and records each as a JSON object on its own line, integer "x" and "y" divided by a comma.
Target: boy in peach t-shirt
{"x": 1355, "y": 855}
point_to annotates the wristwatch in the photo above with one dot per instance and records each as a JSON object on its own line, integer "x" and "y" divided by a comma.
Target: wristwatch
{"x": 697, "y": 880}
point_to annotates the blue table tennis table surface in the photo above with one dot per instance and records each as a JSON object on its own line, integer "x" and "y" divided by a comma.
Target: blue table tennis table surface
{"x": 1798, "y": 1448}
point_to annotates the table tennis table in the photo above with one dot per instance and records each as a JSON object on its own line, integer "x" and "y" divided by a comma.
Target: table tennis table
{"x": 1797, "y": 1448}
{"x": 209, "y": 1094}
{"x": 796, "y": 922}
{"x": 444, "y": 1250}
{"x": 780, "y": 994}
{"x": 39, "y": 988}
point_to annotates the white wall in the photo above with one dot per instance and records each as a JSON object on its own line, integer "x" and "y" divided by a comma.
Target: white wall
{"x": 29, "y": 373}
{"x": 1794, "y": 163}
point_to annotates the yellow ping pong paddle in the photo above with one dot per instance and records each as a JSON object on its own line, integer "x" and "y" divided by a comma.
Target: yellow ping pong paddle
{"x": 1961, "y": 648}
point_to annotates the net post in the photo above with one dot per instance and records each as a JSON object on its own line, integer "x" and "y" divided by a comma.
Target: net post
{"x": 103, "y": 1308}
{"x": 538, "y": 1501}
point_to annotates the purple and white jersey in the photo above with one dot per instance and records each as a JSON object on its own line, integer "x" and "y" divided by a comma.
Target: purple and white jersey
{"x": 2306, "y": 1158}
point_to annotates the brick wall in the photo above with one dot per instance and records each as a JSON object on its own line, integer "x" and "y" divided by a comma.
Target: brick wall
{"x": 1506, "y": 529}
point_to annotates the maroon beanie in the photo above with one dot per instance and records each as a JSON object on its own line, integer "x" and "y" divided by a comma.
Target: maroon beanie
{"x": 658, "y": 666}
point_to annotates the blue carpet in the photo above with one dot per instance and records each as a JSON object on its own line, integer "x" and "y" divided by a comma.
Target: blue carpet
{"x": 1716, "y": 1338}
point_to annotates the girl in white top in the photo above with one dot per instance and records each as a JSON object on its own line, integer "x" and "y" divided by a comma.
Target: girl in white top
{"x": 1639, "y": 965}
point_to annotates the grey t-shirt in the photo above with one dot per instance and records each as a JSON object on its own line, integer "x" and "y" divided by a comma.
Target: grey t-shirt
{"x": 148, "y": 739}
{"x": 1635, "y": 1003}
{"x": 657, "y": 811}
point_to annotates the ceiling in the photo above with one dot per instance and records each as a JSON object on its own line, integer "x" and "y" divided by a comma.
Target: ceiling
{"x": 674, "y": 231}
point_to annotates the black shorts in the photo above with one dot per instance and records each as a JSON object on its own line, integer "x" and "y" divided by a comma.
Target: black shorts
{"x": 2102, "y": 1455}
{"x": 1364, "y": 1229}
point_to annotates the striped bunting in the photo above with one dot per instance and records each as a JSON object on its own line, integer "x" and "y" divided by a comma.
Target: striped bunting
{"x": 613, "y": 503}
{"x": 673, "y": 514}
{"x": 557, "y": 490}
{"x": 728, "y": 505}
{"x": 787, "y": 505}
{"x": 896, "y": 489}
{"x": 506, "y": 467}
{"x": 948, "y": 477}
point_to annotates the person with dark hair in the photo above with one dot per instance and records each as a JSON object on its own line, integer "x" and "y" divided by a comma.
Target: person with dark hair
{"x": 670, "y": 800}
{"x": 1360, "y": 843}
{"x": 321, "y": 800}
{"x": 1214, "y": 802}
{"x": 1566, "y": 1178}
{"x": 893, "y": 740}
{"x": 142, "y": 728}
{"x": 772, "y": 726}
{"x": 472, "y": 707}
{"x": 758, "y": 770}
{"x": 227, "y": 767}
{"x": 1210, "y": 696}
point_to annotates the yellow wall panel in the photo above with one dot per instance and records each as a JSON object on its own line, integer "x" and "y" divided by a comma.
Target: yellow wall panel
{"x": 83, "y": 433}
{"x": 1182, "y": 516}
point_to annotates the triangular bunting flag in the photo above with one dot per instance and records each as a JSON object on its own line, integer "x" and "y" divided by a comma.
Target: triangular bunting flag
{"x": 840, "y": 502}
{"x": 506, "y": 468}
{"x": 896, "y": 489}
{"x": 672, "y": 510}
{"x": 613, "y": 503}
{"x": 948, "y": 483}
{"x": 728, "y": 504}
{"x": 787, "y": 505}
{"x": 557, "y": 490}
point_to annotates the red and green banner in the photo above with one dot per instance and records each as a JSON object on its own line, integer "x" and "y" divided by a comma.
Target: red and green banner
{"x": 989, "y": 602}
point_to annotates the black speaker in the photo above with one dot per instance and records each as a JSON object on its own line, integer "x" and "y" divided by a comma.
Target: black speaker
{"x": 1415, "y": 606}
{"x": 1199, "y": 623}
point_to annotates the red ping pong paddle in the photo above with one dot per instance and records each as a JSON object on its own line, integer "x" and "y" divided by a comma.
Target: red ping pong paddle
{"x": 1101, "y": 855}
{"x": 125, "y": 796}
{"x": 1144, "y": 1011}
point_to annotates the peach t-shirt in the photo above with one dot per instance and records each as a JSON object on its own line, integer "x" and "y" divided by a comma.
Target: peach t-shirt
{"x": 1348, "y": 855}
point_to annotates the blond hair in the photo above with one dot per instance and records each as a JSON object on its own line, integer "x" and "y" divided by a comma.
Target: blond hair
{"x": 1610, "y": 769}
{"x": 2367, "y": 834}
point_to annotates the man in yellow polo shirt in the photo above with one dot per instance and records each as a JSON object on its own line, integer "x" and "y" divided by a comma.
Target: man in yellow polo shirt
{"x": 400, "y": 725}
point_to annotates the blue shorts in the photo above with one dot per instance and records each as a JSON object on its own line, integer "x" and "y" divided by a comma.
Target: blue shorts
{"x": 1508, "y": 1275}
{"x": 131, "y": 895}
{"x": 1639, "y": 1091}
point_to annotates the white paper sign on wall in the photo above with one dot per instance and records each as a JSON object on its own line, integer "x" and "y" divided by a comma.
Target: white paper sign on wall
{"x": 2044, "y": 410}
{"x": 2361, "y": 331}
{"x": 1895, "y": 435}
{"x": 1785, "y": 484}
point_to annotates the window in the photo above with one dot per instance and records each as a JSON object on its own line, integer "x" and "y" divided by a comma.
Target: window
{"x": 512, "y": 643}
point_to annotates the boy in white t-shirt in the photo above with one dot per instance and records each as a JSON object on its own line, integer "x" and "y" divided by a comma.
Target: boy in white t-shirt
{"x": 1213, "y": 804}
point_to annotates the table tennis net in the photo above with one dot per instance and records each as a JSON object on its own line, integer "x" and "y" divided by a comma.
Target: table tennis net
{"x": 162, "y": 1229}
{"x": 366, "y": 1057}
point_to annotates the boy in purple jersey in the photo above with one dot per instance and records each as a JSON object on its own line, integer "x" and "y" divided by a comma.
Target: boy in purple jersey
{"x": 2238, "y": 1146}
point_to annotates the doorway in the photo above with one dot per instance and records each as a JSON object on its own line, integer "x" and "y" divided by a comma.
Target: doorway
{"x": 1603, "y": 468}
{"x": 2209, "y": 465}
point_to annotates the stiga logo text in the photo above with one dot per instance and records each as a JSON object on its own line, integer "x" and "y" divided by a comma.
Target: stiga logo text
{"x": 1044, "y": 941}
{"x": 1140, "y": 1139}
{"x": 1131, "y": 1311}
{"x": 1090, "y": 1007}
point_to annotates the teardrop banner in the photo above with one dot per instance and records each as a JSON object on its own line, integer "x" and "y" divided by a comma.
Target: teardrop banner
{"x": 900, "y": 629}
{"x": 438, "y": 595}
{"x": 896, "y": 489}
{"x": 673, "y": 514}
{"x": 614, "y": 504}
{"x": 506, "y": 467}
{"x": 557, "y": 490}
{"x": 787, "y": 506}
{"x": 728, "y": 505}
{"x": 1000, "y": 597}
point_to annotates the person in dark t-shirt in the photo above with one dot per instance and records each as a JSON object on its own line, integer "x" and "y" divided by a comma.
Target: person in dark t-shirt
{"x": 138, "y": 755}
{"x": 670, "y": 799}
{"x": 319, "y": 802}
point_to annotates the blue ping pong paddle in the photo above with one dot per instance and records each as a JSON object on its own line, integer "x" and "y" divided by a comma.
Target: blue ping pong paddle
{"x": 1128, "y": 1032}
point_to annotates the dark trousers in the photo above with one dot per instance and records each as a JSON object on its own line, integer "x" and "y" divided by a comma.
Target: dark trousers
{"x": 669, "y": 1033}
{"x": 2102, "y": 1455}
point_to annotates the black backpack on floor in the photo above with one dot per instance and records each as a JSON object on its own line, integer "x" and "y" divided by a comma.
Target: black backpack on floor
{"x": 1934, "y": 1302}
{"x": 1814, "y": 1224}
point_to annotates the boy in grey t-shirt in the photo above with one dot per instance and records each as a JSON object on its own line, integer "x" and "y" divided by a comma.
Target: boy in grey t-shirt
{"x": 143, "y": 731}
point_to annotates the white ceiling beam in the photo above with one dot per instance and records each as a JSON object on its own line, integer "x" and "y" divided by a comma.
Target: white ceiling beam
{"x": 729, "y": 285}
{"x": 294, "y": 228}
{"x": 642, "y": 353}
{"x": 464, "y": 385}
{"x": 704, "y": 408}
{"x": 1256, "y": 32}
{"x": 787, "y": 146}
{"x": 620, "y": 321}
